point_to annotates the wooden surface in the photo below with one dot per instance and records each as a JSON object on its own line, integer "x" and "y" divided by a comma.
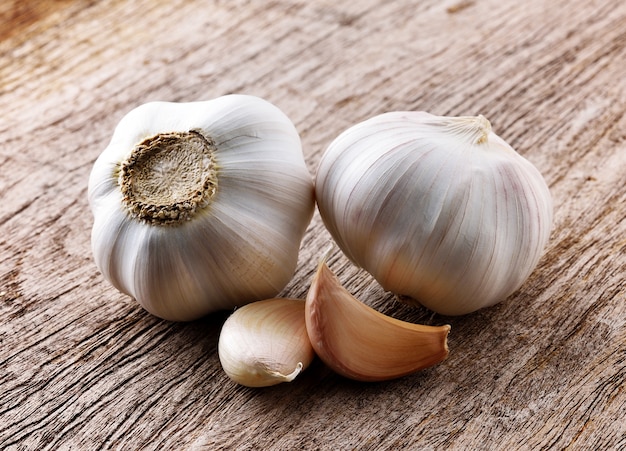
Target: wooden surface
{"x": 83, "y": 367}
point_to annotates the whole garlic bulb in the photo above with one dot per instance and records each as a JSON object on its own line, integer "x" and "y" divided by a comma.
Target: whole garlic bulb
{"x": 200, "y": 206}
{"x": 439, "y": 209}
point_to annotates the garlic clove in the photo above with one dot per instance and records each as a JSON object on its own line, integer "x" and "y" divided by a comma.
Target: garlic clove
{"x": 265, "y": 343}
{"x": 361, "y": 343}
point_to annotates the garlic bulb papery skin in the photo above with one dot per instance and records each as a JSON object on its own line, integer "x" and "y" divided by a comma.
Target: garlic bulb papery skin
{"x": 200, "y": 206}
{"x": 265, "y": 343}
{"x": 439, "y": 209}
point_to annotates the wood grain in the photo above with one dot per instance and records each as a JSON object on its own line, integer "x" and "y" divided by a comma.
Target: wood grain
{"x": 83, "y": 367}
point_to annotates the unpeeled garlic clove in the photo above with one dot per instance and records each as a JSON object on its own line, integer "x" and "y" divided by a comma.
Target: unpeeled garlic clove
{"x": 361, "y": 343}
{"x": 265, "y": 343}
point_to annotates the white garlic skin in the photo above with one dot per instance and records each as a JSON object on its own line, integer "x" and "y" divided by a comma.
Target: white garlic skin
{"x": 243, "y": 246}
{"x": 439, "y": 209}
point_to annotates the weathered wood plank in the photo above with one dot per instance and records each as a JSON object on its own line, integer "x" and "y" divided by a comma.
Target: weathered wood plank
{"x": 82, "y": 366}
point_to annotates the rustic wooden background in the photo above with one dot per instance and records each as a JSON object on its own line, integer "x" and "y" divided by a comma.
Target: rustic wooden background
{"x": 83, "y": 367}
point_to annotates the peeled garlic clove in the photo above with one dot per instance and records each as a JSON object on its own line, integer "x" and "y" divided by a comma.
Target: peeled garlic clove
{"x": 265, "y": 343}
{"x": 439, "y": 209}
{"x": 200, "y": 206}
{"x": 361, "y": 343}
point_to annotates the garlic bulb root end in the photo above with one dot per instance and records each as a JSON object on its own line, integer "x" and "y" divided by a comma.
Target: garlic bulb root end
{"x": 169, "y": 176}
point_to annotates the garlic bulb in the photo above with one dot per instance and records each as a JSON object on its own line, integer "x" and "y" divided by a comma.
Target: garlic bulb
{"x": 265, "y": 343}
{"x": 439, "y": 209}
{"x": 200, "y": 206}
{"x": 361, "y": 343}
